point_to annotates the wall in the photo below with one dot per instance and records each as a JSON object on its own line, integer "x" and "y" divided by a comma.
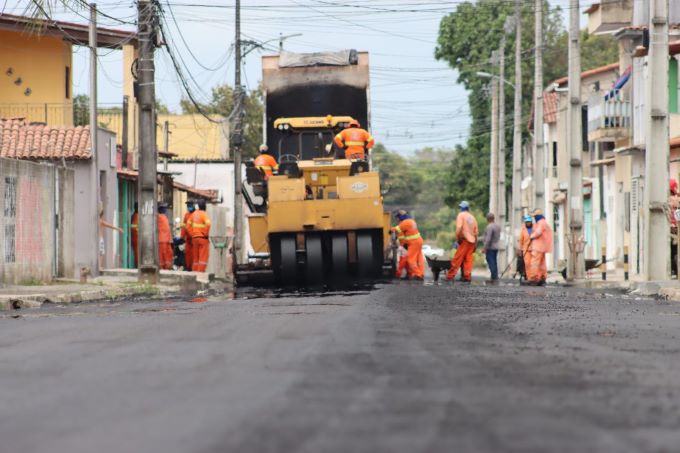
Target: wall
{"x": 191, "y": 136}
{"x": 40, "y": 62}
{"x": 31, "y": 196}
{"x": 85, "y": 228}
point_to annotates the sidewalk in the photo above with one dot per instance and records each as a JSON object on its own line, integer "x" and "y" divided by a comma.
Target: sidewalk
{"x": 111, "y": 285}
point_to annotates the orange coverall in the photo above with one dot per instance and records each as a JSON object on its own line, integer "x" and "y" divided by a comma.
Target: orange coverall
{"x": 165, "y": 242}
{"x": 355, "y": 141}
{"x": 188, "y": 249}
{"x": 134, "y": 236}
{"x": 402, "y": 264}
{"x": 199, "y": 227}
{"x": 267, "y": 164}
{"x": 414, "y": 256}
{"x": 466, "y": 235}
{"x": 541, "y": 243}
{"x": 524, "y": 240}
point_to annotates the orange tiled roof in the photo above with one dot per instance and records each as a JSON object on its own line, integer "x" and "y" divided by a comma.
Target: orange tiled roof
{"x": 21, "y": 140}
{"x": 589, "y": 73}
{"x": 549, "y": 109}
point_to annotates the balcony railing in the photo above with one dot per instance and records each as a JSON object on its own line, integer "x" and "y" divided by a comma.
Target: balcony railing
{"x": 609, "y": 116}
{"x": 52, "y": 114}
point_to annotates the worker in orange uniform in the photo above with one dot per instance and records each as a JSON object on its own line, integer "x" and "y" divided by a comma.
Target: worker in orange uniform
{"x": 199, "y": 227}
{"x": 402, "y": 255}
{"x": 134, "y": 234}
{"x": 523, "y": 244}
{"x": 466, "y": 237}
{"x": 184, "y": 234}
{"x": 164, "y": 238}
{"x": 355, "y": 141}
{"x": 265, "y": 162}
{"x": 541, "y": 243}
{"x": 414, "y": 245}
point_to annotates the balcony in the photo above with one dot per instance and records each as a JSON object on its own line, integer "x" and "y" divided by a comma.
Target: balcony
{"x": 52, "y": 114}
{"x": 609, "y": 117}
{"x": 608, "y": 16}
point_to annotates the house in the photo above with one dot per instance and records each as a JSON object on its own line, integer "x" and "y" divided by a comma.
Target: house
{"x": 69, "y": 147}
{"x": 594, "y": 82}
{"x": 36, "y": 68}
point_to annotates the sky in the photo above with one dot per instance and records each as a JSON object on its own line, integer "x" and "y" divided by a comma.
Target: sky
{"x": 415, "y": 101}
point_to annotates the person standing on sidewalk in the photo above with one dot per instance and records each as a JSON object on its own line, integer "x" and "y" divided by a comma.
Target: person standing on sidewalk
{"x": 492, "y": 236}
{"x": 184, "y": 234}
{"x": 199, "y": 227}
{"x": 164, "y": 238}
{"x": 466, "y": 237}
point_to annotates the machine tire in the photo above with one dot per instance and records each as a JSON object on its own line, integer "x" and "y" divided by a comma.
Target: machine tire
{"x": 365, "y": 258}
{"x": 340, "y": 256}
{"x": 314, "y": 265}
{"x": 288, "y": 270}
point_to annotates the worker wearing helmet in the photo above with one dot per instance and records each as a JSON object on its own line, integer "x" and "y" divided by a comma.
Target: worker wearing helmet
{"x": 165, "y": 252}
{"x": 265, "y": 162}
{"x": 199, "y": 227}
{"x": 541, "y": 243}
{"x": 186, "y": 235}
{"x": 413, "y": 242}
{"x": 355, "y": 141}
{"x": 466, "y": 236}
{"x": 523, "y": 244}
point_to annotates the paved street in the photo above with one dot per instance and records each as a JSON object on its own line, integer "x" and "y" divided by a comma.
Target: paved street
{"x": 401, "y": 368}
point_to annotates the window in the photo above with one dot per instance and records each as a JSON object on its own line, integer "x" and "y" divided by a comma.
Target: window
{"x": 67, "y": 83}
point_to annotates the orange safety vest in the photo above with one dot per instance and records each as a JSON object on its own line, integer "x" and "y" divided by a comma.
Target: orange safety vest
{"x": 355, "y": 141}
{"x": 164, "y": 232}
{"x": 267, "y": 164}
{"x": 184, "y": 228}
{"x": 199, "y": 224}
{"x": 407, "y": 230}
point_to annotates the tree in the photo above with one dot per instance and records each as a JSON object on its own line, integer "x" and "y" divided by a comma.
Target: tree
{"x": 397, "y": 178}
{"x": 466, "y": 39}
{"x": 222, "y": 103}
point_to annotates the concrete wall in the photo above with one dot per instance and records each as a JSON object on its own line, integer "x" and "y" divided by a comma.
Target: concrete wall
{"x": 30, "y": 244}
{"x": 85, "y": 229}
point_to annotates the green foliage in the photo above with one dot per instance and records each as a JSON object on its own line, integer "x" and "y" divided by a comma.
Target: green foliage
{"x": 222, "y": 103}
{"x": 466, "y": 40}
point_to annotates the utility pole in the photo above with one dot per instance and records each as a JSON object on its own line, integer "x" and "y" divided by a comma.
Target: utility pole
{"x": 493, "y": 167}
{"x": 94, "y": 168}
{"x": 501, "y": 134}
{"x": 575, "y": 260}
{"x": 656, "y": 251}
{"x": 539, "y": 172}
{"x": 517, "y": 127}
{"x": 148, "y": 217}
{"x": 237, "y": 141}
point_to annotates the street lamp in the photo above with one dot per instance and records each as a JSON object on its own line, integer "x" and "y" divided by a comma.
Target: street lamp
{"x": 486, "y": 75}
{"x": 283, "y": 38}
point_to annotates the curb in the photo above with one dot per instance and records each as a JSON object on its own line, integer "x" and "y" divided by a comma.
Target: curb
{"x": 25, "y": 301}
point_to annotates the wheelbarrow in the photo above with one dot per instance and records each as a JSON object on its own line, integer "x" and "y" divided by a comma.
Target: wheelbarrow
{"x": 438, "y": 264}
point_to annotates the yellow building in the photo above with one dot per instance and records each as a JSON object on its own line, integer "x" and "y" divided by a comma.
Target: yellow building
{"x": 191, "y": 136}
{"x": 36, "y": 77}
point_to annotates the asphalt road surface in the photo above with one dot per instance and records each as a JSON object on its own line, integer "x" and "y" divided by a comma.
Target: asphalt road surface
{"x": 400, "y": 368}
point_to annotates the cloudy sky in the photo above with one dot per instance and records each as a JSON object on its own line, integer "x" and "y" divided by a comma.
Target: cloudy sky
{"x": 415, "y": 101}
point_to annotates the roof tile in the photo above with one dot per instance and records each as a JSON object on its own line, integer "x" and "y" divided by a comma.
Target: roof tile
{"x": 21, "y": 140}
